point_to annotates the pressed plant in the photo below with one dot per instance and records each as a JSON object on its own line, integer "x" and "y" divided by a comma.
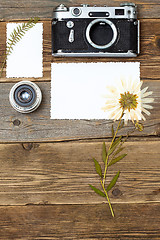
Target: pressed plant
{"x": 124, "y": 102}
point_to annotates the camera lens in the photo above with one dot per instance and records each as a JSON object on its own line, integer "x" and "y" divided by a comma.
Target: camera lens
{"x": 101, "y": 33}
{"x": 25, "y": 97}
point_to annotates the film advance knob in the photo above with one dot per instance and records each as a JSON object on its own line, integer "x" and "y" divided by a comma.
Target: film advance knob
{"x": 61, "y": 7}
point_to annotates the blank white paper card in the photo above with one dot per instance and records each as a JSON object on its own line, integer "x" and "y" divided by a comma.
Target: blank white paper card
{"x": 78, "y": 89}
{"x": 26, "y": 60}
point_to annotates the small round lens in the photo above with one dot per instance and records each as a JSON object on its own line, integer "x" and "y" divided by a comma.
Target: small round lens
{"x": 25, "y": 96}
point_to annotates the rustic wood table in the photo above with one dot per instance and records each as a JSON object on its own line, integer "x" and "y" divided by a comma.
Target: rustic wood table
{"x": 46, "y": 165}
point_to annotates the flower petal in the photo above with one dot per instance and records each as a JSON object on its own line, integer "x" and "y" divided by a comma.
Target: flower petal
{"x": 144, "y": 90}
{"x": 147, "y": 100}
{"x": 138, "y": 87}
{"x": 128, "y": 86}
{"x": 146, "y": 111}
{"x": 147, "y": 106}
{"x": 143, "y": 118}
{"x": 147, "y": 94}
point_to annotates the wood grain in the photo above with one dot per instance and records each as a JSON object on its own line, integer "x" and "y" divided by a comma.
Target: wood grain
{"x": 133, "y": 221}
{"x": 20, "y": 9}
{"x": 37, "y": 126}
{"x": 149, "y": 57}
{"x": 60, "y": 173}
{"x": 46, "y": 184}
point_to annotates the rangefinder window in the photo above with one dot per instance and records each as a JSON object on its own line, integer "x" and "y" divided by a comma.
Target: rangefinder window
{"x": 99, "y": 14}
{"x": 119, "y": 12}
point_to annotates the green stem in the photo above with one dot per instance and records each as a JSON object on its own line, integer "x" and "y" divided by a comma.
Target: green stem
{"x": 110, "y": 206}
{"x": 105, "y": 170}
{"x": 106, "y": 164}
{"x": 126, "y": 137}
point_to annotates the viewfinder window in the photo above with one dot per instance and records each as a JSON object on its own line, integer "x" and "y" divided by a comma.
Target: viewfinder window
{"x": 119, "y": 11}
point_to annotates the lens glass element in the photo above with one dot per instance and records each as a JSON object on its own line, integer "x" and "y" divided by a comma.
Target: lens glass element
{"x": 25, "y": 96}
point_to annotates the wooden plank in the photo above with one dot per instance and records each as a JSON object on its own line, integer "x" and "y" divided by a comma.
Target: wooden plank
{"x": 60, "y": 173}
{"x": 20, "y": 9}
{"x": 37, "y": 126}
{"x": 149, "y": 57}
{"x": 132, "y": 221}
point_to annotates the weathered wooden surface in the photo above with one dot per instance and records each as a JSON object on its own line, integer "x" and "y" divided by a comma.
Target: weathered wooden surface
{"x": 20, "y": 9}
{"x": 60, "y": 173}
{"x": 149, "y": 57}
{"x": 37, "y": 126}
{"x": 133, "y": 221}
{"x": 51, "y": 178}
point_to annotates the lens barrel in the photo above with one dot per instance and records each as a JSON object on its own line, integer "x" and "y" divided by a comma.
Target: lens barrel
{"x": 25, "y": 96}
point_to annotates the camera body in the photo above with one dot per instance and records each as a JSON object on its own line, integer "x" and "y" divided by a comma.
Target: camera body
{"x": 95, "y": 31}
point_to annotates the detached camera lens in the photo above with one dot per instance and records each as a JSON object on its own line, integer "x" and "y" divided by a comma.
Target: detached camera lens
{"x": 25, "y": 97}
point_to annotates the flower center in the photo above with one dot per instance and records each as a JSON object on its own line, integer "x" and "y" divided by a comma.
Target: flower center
{"x": 128, "y": 101}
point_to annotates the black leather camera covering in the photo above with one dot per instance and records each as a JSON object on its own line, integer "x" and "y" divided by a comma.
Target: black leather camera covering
{"x": 127, "y": 38}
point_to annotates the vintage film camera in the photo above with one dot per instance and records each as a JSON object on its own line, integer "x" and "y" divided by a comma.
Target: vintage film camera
{"x": 95, "y": 31}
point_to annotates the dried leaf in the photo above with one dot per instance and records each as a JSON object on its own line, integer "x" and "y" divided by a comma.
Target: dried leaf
{"x": 117, "y": 159}
{"x": 104, "y": 153}
{"x": 98, "y": 191}
{"x": 119, "y": 150}
{"x": 113, "y": 182}
{"x": 116, "y": 141}
{"x": 114, "y": 145}
{"x": 98, "y": 167}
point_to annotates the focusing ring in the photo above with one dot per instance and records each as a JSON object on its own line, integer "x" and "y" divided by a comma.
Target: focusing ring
{"x": 114, "y": 29}
{"x": 24, "y": 107}
{"x": 24, "y": 88}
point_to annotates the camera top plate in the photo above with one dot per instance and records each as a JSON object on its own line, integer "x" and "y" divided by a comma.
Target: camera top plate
{"x": 125, "y": 11}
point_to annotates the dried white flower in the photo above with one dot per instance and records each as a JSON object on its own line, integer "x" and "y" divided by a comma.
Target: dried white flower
{"x": 128, "y": 99}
